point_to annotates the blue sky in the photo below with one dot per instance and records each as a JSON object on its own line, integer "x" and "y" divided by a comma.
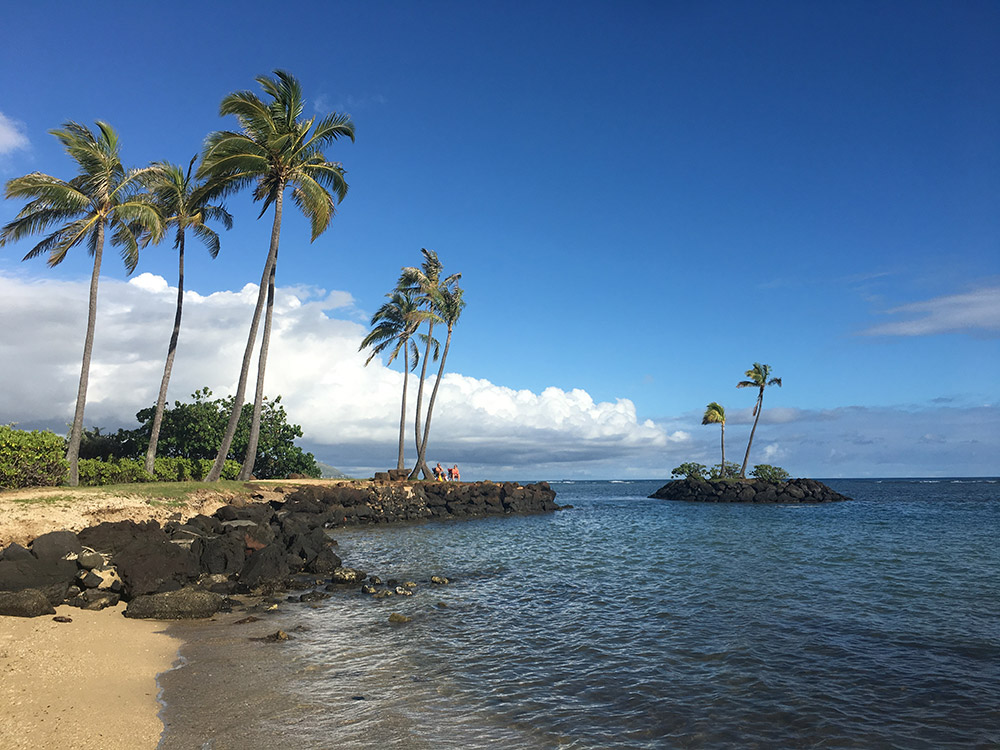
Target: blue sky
{"x": 643, "y": 199}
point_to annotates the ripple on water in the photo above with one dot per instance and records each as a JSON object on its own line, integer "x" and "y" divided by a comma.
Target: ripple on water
{"x": 634, "y": 623}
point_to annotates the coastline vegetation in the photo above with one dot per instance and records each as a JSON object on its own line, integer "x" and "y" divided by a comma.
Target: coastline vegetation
{"x": 274, "y": 149}
{"x": 421, "y": 297}
{"x": 758, "y": 376}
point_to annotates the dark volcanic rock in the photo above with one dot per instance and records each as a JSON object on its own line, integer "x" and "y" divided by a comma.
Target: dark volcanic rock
{"x": 25, "y": 603}
{"x": 147, "y": 561}
{"x": 748, "y": 491}
{"x": 265, "y": 567}
{"x": 185, "y": 604}
{"x": 15, "y": 552}
{"x": 51, "y": 577}
{"x": 56, "y": 545}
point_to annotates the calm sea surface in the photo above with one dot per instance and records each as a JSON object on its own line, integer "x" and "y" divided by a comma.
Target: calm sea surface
{"x": 635, "y": 623}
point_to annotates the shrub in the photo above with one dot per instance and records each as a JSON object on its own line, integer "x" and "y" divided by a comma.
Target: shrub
{"x": 732, "y": 471}
{"x": 768, "y": 473}
{"x": 31, "y": 459}
{"x": 95, "y": 473}
{"x": 690, "y": 470}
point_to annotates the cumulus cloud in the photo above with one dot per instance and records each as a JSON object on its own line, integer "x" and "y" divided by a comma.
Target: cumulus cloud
{"x": 12, "y": 137}
{"x": 976, "y": 312}
{"x": 349, "y": 412}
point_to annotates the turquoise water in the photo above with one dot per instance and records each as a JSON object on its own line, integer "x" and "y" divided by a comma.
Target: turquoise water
{"x": 637, "y": 623}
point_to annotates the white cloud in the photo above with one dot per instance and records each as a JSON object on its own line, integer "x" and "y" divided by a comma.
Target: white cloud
{"x": 12, "y": 136}
{"x": 349, "y": 413}
{"x": 976, "y": 312}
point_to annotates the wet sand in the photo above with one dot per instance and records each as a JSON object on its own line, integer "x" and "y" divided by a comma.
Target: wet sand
{"x": 87, "y": 683}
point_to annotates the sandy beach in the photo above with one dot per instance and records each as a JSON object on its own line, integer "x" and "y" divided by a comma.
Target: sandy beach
{"x": 87, "y": 683}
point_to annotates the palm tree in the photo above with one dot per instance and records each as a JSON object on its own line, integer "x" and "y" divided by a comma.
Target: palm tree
{"x": 184, "y": 204}
{"x": 103, "y": 198}
{"x": 716, "y": 414}
{"x": 449, "y": 304}
{"x": 394, "y": 329}
{"x": 426, "y": 284}
{"x": 273, "y": 150}
{"x": 759, "y": 376}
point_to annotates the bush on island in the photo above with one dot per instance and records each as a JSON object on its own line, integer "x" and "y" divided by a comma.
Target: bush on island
{"x": 690, "y": 470}
{"x": 732, "y": 471}
{"x": 768, "y": 473}
{"x": 33, "y": 458}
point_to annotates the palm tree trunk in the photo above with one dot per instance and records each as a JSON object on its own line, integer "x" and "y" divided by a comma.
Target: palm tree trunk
{"x": 400, "y": 460}
{"x": 246, "y": 472}
{"x": 420, "y": 396}
{"x": 722, "y": 469}
{"x": 422, "y": 460}
{"x": 760, "y": 401}
{"x": 161, "y": 400}
{"x": 76, "y": 432}
{"x": 241, "y": 388}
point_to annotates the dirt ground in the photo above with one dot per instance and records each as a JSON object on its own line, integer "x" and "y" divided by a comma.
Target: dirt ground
{"x": 28, "y": 513}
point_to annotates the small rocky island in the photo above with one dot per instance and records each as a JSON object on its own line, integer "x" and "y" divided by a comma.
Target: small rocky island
{"x": 748, "y": 491}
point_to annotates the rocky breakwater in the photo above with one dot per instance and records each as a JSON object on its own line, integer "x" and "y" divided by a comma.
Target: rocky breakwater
{"x": 748, "y": 491}
{"x": 191, "y": 568}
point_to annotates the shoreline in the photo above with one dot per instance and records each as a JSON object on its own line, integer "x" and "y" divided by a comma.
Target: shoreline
{"x": 90, "y": 682}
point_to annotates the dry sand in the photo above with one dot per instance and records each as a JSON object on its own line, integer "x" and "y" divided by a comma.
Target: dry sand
{"x": 87, "y": 683}
{"x": 26, "y": 514}
{"x": 90, "y": 682}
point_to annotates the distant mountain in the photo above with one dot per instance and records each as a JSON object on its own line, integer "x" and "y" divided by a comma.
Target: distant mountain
{"x": 330, "y": 472}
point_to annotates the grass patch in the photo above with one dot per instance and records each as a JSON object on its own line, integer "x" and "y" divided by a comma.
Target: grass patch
{"x": 44, "y": 500}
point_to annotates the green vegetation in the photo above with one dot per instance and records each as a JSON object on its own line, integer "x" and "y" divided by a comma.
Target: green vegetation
{"x": 184, "y": 205}
{"x": 273, "y": 150}
{"x": 443, "y": 298}
{"x": 394, "y": 329}
{"x": 768, "y": 473}
{"x": 31, "y": 459}
{"x": 716, "y": 414}
{"x": 690, "y": 470}
{"x": 731, "y": 471}
{"x": 758, "y": 376}
{"x": 104, "y": 197}
{"x": 192, "y": 432}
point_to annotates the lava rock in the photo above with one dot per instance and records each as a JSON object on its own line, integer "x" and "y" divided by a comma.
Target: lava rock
{"x": 56, "y": 545}
{"x": 25, "y": 603}
{"x": 185, "y": 604}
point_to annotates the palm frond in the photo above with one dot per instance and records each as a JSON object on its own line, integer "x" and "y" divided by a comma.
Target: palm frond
{"x": 315, "y": 202}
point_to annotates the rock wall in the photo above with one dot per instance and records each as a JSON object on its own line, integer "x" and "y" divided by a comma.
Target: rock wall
{"x": 748, "y": 491}
{"x": 186, "y": 569}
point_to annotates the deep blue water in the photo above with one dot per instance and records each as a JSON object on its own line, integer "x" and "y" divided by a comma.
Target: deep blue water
{"x": 638, "y": 623}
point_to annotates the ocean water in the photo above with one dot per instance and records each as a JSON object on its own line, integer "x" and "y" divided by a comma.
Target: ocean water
{"x": 628, "y": 622}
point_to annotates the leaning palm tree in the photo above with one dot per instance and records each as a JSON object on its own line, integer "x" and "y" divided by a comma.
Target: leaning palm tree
{"x": 184, "y": 204}
{"x": 394, "y": 329}
{"x": 759, "y": 376}
{"x": 449, "y": 304}
{"x": 426, "y": 284}
{"x": 103, "y": 198}
{"x": 274, "y": 149}
{"x": 716, "y": 414}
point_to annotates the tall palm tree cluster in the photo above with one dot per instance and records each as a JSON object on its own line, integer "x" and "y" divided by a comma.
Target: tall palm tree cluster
{"x": 423, "y": 296}
{"x": 759, "y": 377}
{"x": 273, "y": 150}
